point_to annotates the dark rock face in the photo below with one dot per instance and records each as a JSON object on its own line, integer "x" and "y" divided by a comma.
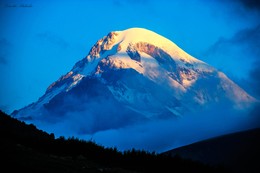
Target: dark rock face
{"x": 133, "y": 52}
{"x": 160, "y": 55}
{"x": 163, "y": 58}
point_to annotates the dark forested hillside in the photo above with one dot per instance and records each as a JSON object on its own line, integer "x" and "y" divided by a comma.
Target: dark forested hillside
{"x": 239, "y": 151}
{"x": 25, "y": 148}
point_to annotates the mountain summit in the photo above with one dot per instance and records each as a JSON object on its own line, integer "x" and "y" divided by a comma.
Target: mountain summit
{"x": 131, "y": 76}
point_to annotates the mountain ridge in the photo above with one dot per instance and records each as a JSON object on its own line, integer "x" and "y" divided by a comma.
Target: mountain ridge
{"x": 133, "y": 76}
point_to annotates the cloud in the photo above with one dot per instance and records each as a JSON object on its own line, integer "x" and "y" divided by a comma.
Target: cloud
{"x": 251, "y": 4}
{"x": 248, "y": 5}
{"x": 53, "y": 39}
{"x": 245, "y": 38}
{"x": 154, "y": 135}
{"x": 238, "y": 56}
{"x": 162, "y": 135}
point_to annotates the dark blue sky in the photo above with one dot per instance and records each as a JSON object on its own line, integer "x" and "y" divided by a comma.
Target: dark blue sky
{"x": 41, "y": 40}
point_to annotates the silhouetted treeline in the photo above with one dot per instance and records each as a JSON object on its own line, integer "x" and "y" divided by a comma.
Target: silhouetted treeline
{"x": 24, "y": 147}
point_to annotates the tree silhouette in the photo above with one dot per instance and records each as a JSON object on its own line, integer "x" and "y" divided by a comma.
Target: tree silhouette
{"x": 24, "y": 147}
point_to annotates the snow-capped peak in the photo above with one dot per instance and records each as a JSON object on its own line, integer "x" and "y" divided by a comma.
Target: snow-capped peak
{"x": 141, "y": 35}
{"x": 146, "y": 52}
{"x": 137, "y": 44}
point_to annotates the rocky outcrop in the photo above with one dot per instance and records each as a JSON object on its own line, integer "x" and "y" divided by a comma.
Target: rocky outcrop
{"x": 102, "y": 45}
{"x": 133, "y": 52}
{"x": 162, "y": 57}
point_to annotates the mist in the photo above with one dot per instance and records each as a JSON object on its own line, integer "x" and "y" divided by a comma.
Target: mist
{"x": 154, "y": 135}
{"x": 162, "y": 135}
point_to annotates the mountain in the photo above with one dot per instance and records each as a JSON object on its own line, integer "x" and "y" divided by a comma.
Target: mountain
{"x": 238, "y": 151}
{"x": 133, "y": 76}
